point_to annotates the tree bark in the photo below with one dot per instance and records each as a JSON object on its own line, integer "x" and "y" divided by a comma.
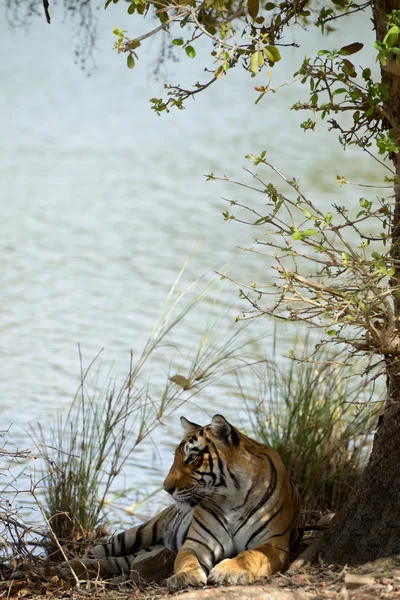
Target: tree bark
{"x": 368, "y": 526}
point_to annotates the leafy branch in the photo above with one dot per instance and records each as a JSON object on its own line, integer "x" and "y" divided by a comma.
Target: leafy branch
{"x": 240, "y": 32}
{"x": 323, "y": 279}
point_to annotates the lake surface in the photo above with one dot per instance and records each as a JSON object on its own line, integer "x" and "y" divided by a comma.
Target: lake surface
{"x": 101, "y": 203}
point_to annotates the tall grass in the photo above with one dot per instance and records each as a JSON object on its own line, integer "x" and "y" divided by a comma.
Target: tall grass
{"x": 321, "y": 422}
{"x": 85, "y": 452}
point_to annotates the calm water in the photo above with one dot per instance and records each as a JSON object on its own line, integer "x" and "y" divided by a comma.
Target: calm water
{"x": 102, "y": 201}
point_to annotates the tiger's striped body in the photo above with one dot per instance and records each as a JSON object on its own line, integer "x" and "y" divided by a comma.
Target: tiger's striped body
{"x": 234, "y": 515}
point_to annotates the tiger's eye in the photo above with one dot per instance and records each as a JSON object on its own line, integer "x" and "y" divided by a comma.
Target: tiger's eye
{"x": 191, "y": 458}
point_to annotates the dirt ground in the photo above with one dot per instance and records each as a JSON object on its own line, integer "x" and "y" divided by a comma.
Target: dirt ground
{"x": 380, "y": 579}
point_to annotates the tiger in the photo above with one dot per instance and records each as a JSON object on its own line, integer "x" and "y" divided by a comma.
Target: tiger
{"x": 234, "y": 517}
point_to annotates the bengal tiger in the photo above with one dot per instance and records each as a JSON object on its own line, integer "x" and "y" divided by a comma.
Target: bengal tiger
{"x": 234, "y": 515}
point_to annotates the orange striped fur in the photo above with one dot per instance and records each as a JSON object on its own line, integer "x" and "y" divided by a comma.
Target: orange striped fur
{"x": 234, "y": 515}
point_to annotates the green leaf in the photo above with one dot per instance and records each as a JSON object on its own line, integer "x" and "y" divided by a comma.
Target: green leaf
{"x": 177, "y": 42}
{"x": 339, "y": 91}
{"x": 364, "y": 203}
{"x": 391, "y": 37}
{"x": 272, "y": 53}
{"x": 256, "y": 61}
{"x": 366, "y": 73}
{"x": 354, "y": 95}
{"x": 190, "y": 51}
{"x": 379, "y": 45}
{"x": 310, "y": 232}
{"x": 331, "y": 332}
{"x": 269, "y": 6}
{"x": 130, "y": 61}
{"x": 297, "y": 235}
{"x": 131, "y": 9}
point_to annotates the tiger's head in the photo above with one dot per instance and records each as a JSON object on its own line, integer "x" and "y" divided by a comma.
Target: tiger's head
{"x": 203, "y": 462}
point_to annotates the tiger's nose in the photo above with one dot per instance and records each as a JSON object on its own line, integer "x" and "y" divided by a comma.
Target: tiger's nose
{"x": 169, "y": 488}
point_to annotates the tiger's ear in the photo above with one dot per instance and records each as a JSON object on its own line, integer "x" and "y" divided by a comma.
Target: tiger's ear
{"x": 188, "y": 426}
{"x": 224, "y": 430}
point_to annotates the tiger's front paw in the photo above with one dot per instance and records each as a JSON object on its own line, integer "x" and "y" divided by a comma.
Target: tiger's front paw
{"x": 81, "y": 568}
{"x": 228, "y": 572}
{"x": 193, "y": 578}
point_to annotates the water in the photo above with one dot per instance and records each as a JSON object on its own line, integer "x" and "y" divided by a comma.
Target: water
{"x": 102, "y": 201}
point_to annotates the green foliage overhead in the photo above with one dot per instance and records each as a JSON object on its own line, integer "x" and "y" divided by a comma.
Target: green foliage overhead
{"x": 248, "y": 33}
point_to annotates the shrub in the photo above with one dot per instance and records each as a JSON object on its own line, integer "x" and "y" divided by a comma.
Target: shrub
{"x": 321, "y": 422}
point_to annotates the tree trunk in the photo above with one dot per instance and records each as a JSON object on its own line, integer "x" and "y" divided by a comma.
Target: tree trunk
{"x": 368, "y": 526}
